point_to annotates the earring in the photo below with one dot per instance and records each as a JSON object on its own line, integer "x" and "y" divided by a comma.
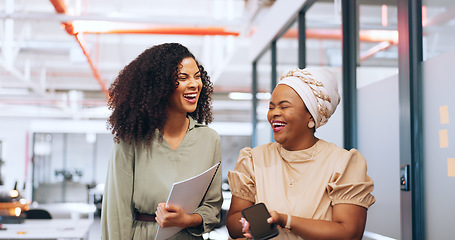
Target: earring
{"x": 311, "y": 124}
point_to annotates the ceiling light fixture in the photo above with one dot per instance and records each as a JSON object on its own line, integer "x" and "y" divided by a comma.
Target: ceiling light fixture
{"x": 249, "y": 96}
{"x": 14, "y": 91}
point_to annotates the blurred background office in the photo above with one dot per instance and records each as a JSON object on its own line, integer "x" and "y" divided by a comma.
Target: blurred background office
{"x": 394, "y": 60}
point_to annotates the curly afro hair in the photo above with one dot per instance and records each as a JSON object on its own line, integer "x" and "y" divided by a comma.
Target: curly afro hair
{"x": 139, "y": 95}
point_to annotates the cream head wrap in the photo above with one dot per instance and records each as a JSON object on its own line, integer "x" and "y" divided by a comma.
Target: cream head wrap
{"x": 318, "y": 89}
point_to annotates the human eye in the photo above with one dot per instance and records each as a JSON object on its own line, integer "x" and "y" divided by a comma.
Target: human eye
{"x": 182, "y": 77}
{"x": 284, "y": 106}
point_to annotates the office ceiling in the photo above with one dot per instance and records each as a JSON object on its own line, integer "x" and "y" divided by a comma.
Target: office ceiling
{"x": 44, "y": 72}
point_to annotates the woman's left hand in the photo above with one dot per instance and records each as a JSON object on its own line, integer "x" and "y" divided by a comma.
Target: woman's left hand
{"x": 170, "y": 216}
{"x": 277, "y": 218}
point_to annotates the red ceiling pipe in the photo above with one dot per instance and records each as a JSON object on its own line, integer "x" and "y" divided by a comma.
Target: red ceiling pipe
{"x": 372, "y": 51}
{"x": 198, "y": 31}
{"x": 92, "y": 66}
{"x": 60, "y": 8}
{"x": 59, "y": 5}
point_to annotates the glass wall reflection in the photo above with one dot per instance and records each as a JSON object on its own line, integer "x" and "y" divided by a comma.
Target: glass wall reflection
{"x": 378, "y": 112}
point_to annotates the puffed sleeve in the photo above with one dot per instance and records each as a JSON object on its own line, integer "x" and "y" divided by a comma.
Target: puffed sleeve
{"x": 117, "y": 208}
{"x": 349, "y": 182}
{"x": 211, "y": 204}
{"x": 241, "y": 179}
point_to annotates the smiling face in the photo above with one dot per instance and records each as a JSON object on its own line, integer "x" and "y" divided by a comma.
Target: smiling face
{"x": 185, "y": 97}
{"x": 289, "y": 118}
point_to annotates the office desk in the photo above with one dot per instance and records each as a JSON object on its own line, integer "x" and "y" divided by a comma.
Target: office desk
{"x": 47, "y": 229}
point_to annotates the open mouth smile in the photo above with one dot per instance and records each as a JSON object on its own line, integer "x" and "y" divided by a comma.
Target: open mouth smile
{"x": 278, "y": 125}
{"x": 190, "y": 97}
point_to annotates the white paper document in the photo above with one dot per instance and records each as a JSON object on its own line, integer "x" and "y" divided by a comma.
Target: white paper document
{"x": 187, "y": 194}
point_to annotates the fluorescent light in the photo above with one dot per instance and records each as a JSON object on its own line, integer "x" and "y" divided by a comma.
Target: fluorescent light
{"x": 248, "y": 96}
{"x": 14, "y": 91}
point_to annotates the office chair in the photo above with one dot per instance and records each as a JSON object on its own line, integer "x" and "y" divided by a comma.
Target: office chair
{"x": 38, "y": 214}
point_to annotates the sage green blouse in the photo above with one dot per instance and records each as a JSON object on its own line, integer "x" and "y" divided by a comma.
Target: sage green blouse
{"x": 140, "y": 177}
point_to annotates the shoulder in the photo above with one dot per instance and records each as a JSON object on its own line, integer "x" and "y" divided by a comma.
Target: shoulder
{"x": 263, "y": 152}
{"x": 339, "y": 155}
{"x": 123, "y": 145}
{"x": 343, "y": 159}
{"x": 332, "y": 148}
{"x": 206, "y": 131}
{"x": 268, "y": 147}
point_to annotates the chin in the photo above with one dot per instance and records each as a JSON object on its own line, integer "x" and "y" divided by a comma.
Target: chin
{"x": 278, "y": 140}
{"x": 190, "y": 110}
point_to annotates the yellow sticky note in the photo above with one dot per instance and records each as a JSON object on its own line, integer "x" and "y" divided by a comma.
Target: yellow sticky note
{"x": 444, "y": 114}
{"x": 443, "y": 138}
{"x": 451, "y": 167}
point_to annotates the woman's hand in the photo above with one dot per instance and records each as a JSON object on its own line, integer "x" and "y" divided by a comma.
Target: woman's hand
{"x": 278, "y": 218}
{"x": 234, "y": 222}
{"x": 245, "y": 228}
{"x": 173, "y": 216}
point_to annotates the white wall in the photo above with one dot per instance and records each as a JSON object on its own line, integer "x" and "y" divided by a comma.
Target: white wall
{"x": 13, "y": 133}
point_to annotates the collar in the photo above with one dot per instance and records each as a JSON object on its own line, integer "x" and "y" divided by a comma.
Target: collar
{"x": 192, "y": 123}
{"x": 304, "y": 155}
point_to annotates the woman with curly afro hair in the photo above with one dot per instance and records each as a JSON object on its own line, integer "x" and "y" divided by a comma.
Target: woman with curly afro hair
{"x": 159, "y": 103}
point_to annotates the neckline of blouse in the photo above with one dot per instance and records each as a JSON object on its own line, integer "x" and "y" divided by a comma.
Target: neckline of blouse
{"x": 304, "y": 155}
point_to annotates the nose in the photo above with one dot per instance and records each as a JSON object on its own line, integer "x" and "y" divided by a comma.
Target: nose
{"x": 193, "y": 83}
{"x": 274, "y": 112}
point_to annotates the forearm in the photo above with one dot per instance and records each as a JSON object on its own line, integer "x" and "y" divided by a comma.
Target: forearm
{"x": 192, "y": 220}
{"x": 234, "y": 226}
{"x": 321, "y": 229}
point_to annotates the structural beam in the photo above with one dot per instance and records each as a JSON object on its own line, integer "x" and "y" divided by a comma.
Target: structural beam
{"x": 410, "y": 88}
{"x": 350, "y": 54}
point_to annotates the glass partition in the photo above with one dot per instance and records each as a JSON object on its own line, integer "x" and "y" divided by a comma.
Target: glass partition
{"x": 438, "y": 19}
{"x": 378, "y": 116}
{"x": 287, "y": 50}
{"x": 438, "y": 118}
{"x": 438, "y": 138}
{"x": 67, "y": 165}
{"x": 264, "y": 89}
{"x": 1, "y": 162}
{"x": 323, "y": 48}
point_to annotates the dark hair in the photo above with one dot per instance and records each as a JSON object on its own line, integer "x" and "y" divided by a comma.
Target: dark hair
{"x": 139, "y": 95}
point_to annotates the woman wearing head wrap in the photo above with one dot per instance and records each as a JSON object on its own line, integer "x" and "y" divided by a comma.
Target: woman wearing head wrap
{"x": 312, "y": 188}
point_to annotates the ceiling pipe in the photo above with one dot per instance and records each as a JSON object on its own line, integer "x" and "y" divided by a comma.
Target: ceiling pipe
{"x": 196, "y": 31}
{"x": 60, "y": 8}
{"x": 92, "y": 66}
{"x": 59, "y": 5}
{"x": 441, "y": 18}
{"x": 336, "y": 34}
{"x": 375, "y": 49}
{"x": 50, "y": 102}
{"x": 18, "y": 75}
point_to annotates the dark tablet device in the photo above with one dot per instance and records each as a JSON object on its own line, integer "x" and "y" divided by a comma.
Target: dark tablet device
{"x": 256, "y": 216}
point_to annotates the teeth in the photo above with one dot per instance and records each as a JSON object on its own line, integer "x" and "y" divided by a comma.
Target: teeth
{"x": 190, "y": 95}
{"x": 279, "y": 124}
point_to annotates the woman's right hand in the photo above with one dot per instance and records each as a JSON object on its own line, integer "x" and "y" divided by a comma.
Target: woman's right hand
{"x": 245, "y": 228}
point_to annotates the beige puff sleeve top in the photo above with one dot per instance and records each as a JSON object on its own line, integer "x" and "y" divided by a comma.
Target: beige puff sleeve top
{"x": 306, "y": 183}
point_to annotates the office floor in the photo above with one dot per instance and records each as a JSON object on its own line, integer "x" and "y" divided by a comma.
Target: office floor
{"x": 217, "y": 234}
